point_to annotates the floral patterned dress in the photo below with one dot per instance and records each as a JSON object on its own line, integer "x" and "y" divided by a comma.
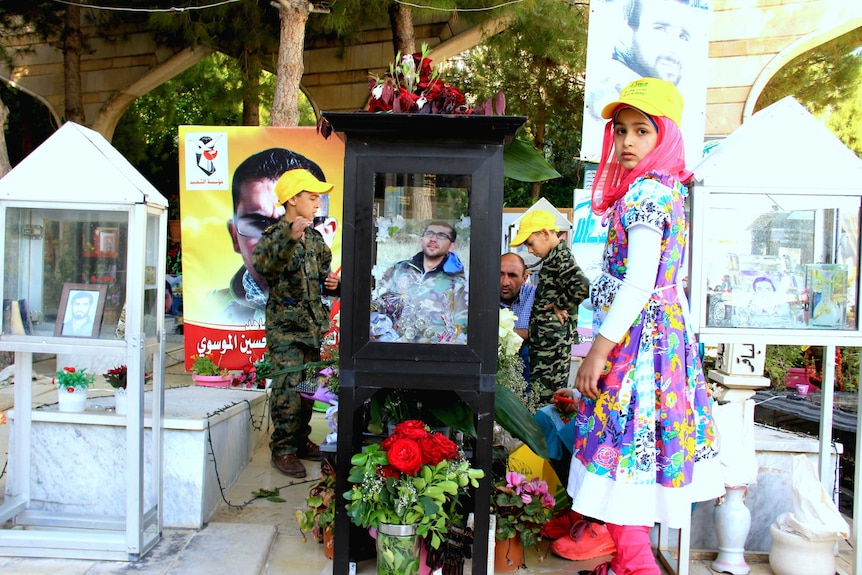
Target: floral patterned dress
{"x": 649, "y": 437}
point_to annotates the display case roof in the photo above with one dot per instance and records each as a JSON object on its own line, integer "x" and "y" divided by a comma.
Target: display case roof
{"x": 78, "y": 164}
{"x": 782, "y": 147}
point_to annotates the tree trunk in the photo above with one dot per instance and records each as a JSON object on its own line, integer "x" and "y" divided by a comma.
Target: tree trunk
{"x": 74, "y": 111}
{"x": 7, "y": 358}
{"x": 5, "y": 164}
{"x": 403, "y": 34}
{"x": 285, "y": 104}
{"x": 251, "y": 89}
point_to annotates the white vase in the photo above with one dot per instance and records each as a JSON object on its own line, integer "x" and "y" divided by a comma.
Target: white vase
{"x": 732, "y": 524}
{"x": 121, "y": 401}
{"x": 72, "y": 401}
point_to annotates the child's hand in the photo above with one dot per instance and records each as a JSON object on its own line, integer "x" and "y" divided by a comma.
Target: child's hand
{"x": 331, "y": 282}
{"x": 562, "y": 315}
{"x": 564, "y": 400}
{"x": 297, "y": 227}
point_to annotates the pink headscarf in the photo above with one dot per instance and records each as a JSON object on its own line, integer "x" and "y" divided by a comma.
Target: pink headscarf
{"x": 667, "y": 158}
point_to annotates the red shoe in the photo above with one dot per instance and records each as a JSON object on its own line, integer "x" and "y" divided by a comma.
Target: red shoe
{"x": 587, "y": 540}
{"x": 560, "y": 525}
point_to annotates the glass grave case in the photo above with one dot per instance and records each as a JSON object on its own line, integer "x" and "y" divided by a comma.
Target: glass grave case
{"x": 433, "y": 185}
{"x": 77, "y": 257}
{"x": 775, "y": 267}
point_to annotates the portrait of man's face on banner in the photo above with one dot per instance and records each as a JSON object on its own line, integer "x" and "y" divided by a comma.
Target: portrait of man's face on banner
{"x": 632, "y": 39}
{"x": 227, "y": 201}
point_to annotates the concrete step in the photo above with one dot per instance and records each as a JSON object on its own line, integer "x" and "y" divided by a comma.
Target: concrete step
{"x": 239, "y": 549}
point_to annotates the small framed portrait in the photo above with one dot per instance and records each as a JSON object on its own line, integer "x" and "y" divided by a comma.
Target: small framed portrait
{"x": 79, "y": 313}
{"x": 105, "y": 241}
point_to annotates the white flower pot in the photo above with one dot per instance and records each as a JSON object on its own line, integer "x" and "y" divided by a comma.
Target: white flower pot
{"x": 121, "y": 404}
{"x": 793, "y": 554}
{"x": 72, "y": 401}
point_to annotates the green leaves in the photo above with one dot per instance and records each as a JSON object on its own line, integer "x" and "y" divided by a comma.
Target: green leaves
{"x": 523, "y": 162}
{"x": 269, "y": 495}
{"x": 510, "y": 412}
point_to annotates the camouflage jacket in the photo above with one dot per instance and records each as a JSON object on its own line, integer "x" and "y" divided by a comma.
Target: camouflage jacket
{"x": 295, "y": 272}
{"x": 561, "y": 283}
{"x": 424, "y": 307}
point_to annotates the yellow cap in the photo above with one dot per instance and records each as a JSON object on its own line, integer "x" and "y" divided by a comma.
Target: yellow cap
{"x": 294, "y": 182}
{"x": 534, "y": 221}
{"x": 652, "y": 96}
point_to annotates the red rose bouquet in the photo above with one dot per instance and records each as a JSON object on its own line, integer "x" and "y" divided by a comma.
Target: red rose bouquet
{"x": 413, "y": 477}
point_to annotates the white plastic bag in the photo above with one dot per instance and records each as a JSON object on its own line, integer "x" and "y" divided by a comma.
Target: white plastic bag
{"x": 814, "y": 514}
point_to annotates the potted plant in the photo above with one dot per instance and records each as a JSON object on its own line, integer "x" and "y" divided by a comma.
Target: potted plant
{"x": 116, "y": 378}
{"x": 403, "y": 488}
{"x": 208, "y": 373}
{"x": 264, "y": 368}
{"x": 319, "y": 516}
{"x": 522, "y": 507}
{"x": 72, "y": 384}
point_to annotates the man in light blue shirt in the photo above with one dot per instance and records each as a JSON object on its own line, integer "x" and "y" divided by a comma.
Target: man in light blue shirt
{"x": 517, "y": 295}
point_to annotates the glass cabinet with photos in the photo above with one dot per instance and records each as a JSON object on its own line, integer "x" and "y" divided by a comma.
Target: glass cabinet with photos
{"x": 774, "y": 267}
{"x": 78, "y": 257}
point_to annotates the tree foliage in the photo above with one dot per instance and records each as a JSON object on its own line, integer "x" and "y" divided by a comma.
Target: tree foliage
{"x": 208, "y": 93}
{"x": 538, "y": 63}
{"x": 828, "y": 82}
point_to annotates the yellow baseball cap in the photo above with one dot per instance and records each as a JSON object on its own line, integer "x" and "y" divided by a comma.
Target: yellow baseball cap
{"x": 652, "y": 96}
{"x": 534, "y": 221}
{"x": 294, "y": 182}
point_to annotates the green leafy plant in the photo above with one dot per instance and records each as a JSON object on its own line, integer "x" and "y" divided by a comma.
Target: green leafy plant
{"x": 522, "y": 507}
{"x": 204, "y": 365}
{"x": 70, "y": 378}
{"x": 263, "y": 367}
{"x": 411, "y": 478}
{"x": 779, "y": 359}
{"x": 319, "y": 514}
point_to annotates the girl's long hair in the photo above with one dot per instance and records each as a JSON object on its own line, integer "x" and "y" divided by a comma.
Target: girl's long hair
{"x": 667, "y": 158}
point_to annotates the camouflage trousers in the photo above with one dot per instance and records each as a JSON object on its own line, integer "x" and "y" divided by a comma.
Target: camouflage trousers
{"x": 290, "y": 412}
{"x": 550, "y": 363}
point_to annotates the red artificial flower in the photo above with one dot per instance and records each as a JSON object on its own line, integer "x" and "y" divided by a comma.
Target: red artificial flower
{"x": 424, "y": 67}
{"x": 436, "y": 447}
{"x": 70, "y": 389}
{"x": 405, "y": 102}
{"x": 69, "y": 369}
{"x": 405, "y": 456}
{"x": 410, "y": 429}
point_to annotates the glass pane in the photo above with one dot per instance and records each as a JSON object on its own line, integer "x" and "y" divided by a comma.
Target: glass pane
{"x": 150, "y": 269}
{"x": 420, "y": 258}
{"x": 782, "y": 261}
{"x": 57, "y": 263}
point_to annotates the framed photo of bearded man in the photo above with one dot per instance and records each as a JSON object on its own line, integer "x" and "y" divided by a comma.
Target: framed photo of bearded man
{"x": 79, "y": 313}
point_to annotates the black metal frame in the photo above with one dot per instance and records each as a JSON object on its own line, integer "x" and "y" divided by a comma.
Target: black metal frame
{"x": 410, "y": 143}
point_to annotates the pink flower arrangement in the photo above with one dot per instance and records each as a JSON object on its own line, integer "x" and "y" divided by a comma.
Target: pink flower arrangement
{"x": 522, "y": 507}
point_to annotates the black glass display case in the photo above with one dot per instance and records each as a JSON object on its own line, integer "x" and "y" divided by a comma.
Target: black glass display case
{"x": 417, "y": 182}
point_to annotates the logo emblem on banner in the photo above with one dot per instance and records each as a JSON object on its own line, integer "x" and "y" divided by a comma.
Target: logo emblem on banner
{"x": 206, "y": 161}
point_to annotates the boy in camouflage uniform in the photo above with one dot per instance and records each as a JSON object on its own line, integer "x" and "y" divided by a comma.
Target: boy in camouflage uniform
{"x": 554, "y": 319}
{"x": 294, "y": 259}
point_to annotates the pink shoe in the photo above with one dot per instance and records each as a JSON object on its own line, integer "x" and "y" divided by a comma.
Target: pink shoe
{"x": 586, "y": 540}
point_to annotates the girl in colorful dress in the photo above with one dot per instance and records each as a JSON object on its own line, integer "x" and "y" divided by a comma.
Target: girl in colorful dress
{"x": 645, "y": 441}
